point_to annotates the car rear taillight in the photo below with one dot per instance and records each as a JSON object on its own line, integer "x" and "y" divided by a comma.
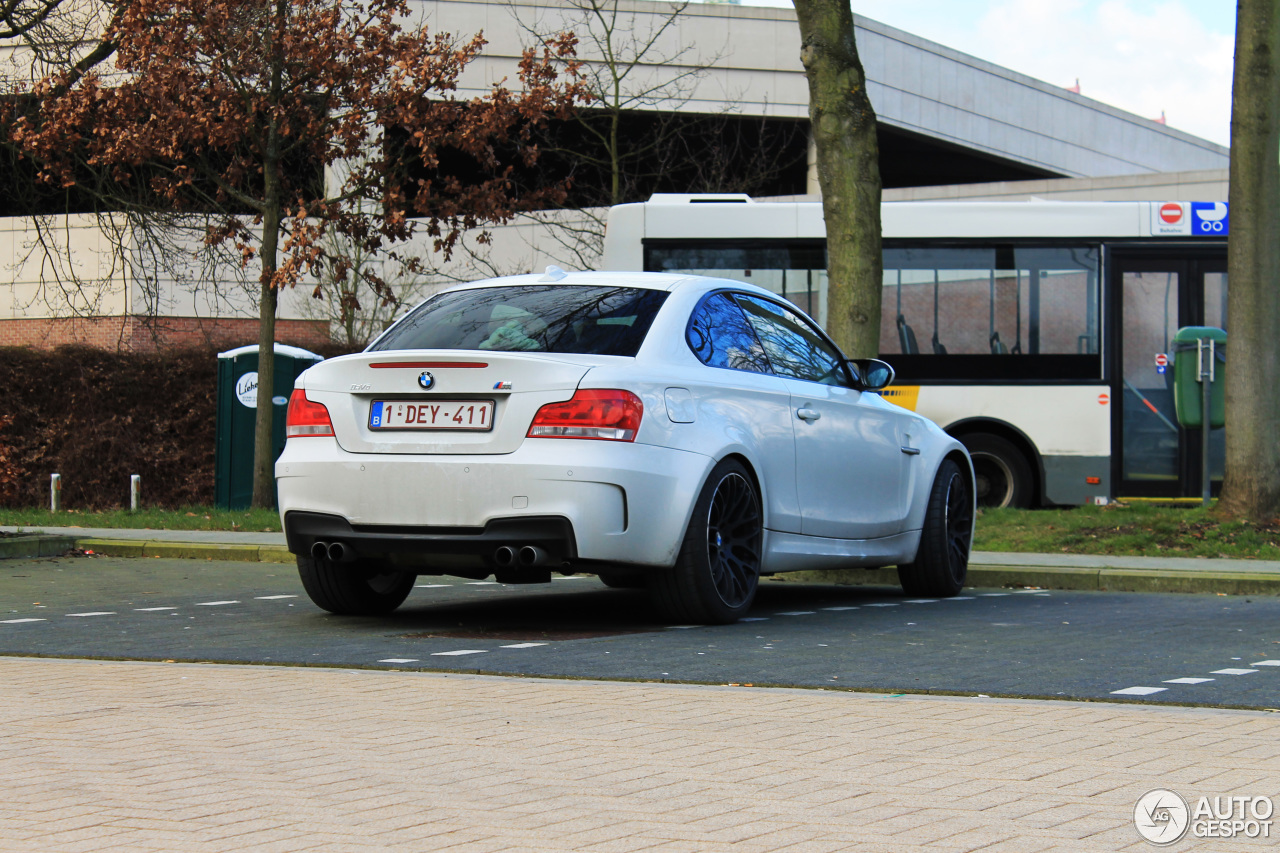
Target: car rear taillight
{"x": 305, "y": 417}
{"x": 611, "y": 415}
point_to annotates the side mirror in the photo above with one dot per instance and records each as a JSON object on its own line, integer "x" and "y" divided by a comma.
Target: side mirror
{"x": 873, "y": 373}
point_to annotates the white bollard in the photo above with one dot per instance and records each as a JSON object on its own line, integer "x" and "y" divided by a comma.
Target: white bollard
{"x": 55, "y": 492}
{"x": 135, "y": 492}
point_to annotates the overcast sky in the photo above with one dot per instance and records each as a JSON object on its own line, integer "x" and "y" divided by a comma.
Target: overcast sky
{"x": 1144, "y": 56}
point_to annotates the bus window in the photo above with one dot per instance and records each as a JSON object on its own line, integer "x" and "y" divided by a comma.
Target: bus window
{"x": 795, "y": 271}
{"x": 1003, "y": 301}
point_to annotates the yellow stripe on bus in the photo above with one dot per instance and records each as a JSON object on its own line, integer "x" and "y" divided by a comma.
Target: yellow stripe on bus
{"x": 905, "y": 396}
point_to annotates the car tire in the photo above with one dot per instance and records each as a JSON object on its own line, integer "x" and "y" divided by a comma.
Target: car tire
{"x": 717, "y": 571}
{"x": 1001, "y": 472}
{"x": 354, "y": 589}
{"x": 942, "y": 561}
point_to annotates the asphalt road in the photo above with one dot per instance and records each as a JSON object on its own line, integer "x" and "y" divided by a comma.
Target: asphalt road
{"x": 998, "y": 642}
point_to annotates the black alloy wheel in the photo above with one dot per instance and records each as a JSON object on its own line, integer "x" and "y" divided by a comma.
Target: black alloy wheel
{"x": 941, "y": 565}
{"x": 717, "y": 571}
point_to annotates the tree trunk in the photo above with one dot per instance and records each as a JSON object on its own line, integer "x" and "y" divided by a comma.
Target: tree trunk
{"x": 264, "y": 482}
{"x": 848, "y": 158}
{"x": 1252, "y": 486}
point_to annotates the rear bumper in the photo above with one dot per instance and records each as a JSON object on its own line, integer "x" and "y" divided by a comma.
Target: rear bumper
{"x": 553, "y": 535}
{"x": 588, "y": 500}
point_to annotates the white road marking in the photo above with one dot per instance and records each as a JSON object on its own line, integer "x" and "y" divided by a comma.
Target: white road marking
{"x": 754, "y": 619}
{"x": 460, "y": 652}
{"x": 684, "y": 627}
{"x": 795, "y": 613}
{"x": 429, "y": 585}
{"x": 95, "y": 613}
{"x": 1027, "y": 591}
{"x": 272, "y": 597}
{"x": 482, "y": 583}
{"x": 1188, "y": 680}
{"x": 571, "y": 578}
{"x": 19, "y": 621}
{"x": 845, "y": 607}
{"x": 883, "y": 604}
{"x": 1233, "y": 671}
{"x": 398, "y": 660}
{"x": 523, "y": 645}
{"x": 214, "y": 603}
{"x": 921, "y": 601}
{"x": 1138, "y": 691}
{"x": 964, "y": 598}
{"x": 152, "y": 609}
{"x": 1265, "y": 663}
{"x": 994, "y": 594}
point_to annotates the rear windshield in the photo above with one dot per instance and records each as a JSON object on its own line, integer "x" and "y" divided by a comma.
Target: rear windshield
{"x": 530, "y": 318}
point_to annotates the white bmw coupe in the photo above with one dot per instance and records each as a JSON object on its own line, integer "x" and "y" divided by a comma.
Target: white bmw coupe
{"x": 680, "y": 433}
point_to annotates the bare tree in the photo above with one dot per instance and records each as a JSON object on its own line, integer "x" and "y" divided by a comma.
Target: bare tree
{"x": 1252, "y": 485}
{"x": 639, "y": 133}
{"x": 844, "y": 133}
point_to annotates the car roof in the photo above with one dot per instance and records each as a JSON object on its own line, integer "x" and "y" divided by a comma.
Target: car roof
{"x": 608, "y": 278}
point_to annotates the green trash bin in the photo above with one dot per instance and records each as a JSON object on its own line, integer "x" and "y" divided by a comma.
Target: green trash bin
{"x": 1188, "y": 361}
{"x": 237, "y": 414}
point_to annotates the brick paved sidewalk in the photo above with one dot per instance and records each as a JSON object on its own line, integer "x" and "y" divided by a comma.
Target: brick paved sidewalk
{"x": 140, "y": 757}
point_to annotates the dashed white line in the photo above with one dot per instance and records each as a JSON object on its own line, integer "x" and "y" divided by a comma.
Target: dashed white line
{"x": 883, "y": 604}
{"x": 1233, "y": 671}
{"x": 845, "y": 607}
{"x": 398, "y": 660}
{"x": 20, "y": 621}
{"x": 214, "y": 603}
{"x": 571, "y": 578}
{"x": 754, "y": 619}
{"x": 1188, "y": 680}
{"x": 1138, "y": 691}
{"x": 460, "y": 652}
{"x": 272, "y": 597}
{"x": 429, "y": 585}
{"x": 921, "y": 601}
{"x": 1265, "y": 663}
{"x": 95, "y": 613}
{"x": 795, "y": 613}
{"x": 482, "y": 583}
{"x": 994, "y": 594}
{"x": 152, "y": 609}
{"x": 523, "y": 645}
{"x": 1028, "y": 592}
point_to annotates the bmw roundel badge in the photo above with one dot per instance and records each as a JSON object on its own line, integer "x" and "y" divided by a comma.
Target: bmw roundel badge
{"x": 427, "y": 381}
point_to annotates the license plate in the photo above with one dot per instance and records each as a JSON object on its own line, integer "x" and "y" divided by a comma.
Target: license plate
{"x": 437, "y": 414}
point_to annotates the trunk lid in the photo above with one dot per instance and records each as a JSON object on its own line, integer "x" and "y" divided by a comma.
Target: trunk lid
{"x": 518, "y": 384}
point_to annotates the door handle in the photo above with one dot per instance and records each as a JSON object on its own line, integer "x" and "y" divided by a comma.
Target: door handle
{"x": 807, "y": 414}
{"x": 911, "y": 451}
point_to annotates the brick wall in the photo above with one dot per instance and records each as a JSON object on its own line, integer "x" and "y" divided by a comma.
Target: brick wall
{"x": 151, "y": 334}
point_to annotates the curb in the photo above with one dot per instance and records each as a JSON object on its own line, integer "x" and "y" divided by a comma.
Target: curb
{"x": 1098, "y": 579}
{"x": 35, "y": 545}
{"x": 186, "y": 551}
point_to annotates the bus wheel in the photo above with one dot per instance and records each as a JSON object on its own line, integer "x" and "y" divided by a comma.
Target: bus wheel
{"x": 1002, "y": 475}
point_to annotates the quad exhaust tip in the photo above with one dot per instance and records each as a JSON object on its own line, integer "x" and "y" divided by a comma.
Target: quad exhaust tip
{"x": 336, "y": 552}
{"x": 526, "y": 556}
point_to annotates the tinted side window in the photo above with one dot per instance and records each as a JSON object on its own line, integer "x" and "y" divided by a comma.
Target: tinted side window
{"x": 721, "y": 337}
{"x": 794, "y": 347}
{"x": 531, "y": 318}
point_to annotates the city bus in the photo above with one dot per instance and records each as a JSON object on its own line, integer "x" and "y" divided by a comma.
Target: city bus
{"x": 1037, "y": 333}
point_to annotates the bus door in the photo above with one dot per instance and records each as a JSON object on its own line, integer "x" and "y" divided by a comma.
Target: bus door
{"x": 1154, "y": 294}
